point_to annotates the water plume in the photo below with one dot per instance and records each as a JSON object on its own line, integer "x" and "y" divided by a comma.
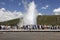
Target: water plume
{"x": 31, "y": 14}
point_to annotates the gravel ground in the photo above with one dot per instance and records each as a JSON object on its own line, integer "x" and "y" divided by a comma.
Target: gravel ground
{"x": 29, "y": 35}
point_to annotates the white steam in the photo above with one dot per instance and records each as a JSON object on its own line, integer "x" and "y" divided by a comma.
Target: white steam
{"x": 31, "y": 14}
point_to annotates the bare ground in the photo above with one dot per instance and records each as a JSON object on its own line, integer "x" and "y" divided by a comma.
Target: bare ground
{"x": 29, "y": 35}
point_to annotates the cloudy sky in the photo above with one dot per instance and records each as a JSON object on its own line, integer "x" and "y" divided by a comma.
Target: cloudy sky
{"x": 14, "y": 8}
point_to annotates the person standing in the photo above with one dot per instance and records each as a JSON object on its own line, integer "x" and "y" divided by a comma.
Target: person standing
{"x": 0, "y": 27}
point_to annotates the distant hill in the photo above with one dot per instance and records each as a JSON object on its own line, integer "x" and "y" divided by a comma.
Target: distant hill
{"x": 10, "y": 22}
{"x": 44, "y": 19}
{"x": 48, "y": 19}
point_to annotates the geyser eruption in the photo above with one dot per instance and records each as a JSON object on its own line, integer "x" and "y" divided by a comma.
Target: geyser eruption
{"x": 31, "y": 15}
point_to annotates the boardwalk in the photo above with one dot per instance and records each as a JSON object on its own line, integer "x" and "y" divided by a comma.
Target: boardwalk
{"x": 30, "y": 36}
{"x": 32, "y": 30}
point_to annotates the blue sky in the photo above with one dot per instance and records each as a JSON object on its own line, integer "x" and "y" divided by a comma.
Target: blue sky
{"x": 43, "y": 6}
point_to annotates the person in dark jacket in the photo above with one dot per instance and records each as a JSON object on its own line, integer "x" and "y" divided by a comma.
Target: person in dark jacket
{"x": 0, "y": 27}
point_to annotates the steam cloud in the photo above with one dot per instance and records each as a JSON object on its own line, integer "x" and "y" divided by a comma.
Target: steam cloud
{"x": 31, "y": 14}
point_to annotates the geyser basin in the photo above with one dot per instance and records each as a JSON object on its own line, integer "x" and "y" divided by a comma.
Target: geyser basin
{"x": 31, "y": 15}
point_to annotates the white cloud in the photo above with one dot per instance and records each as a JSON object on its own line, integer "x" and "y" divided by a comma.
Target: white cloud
{"x": 57, "y": 11}
{"x": 8, "y": 15}
{"x": 45, "y": 7}
{"x": 3, "y": 3}
{"x": 40, "y": 14}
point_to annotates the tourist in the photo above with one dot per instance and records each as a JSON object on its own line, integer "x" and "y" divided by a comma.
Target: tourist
{"x": 38, "y": 26}
{"x": 24, "y": 27}
{"x": 8, "y": 27}
{"x": 0, "y": 28}
{"x": 27, "y": 26}
{"x": 17, "y": 26}
{"x": 3, "y": 27}
{"x": 42, "y": 27}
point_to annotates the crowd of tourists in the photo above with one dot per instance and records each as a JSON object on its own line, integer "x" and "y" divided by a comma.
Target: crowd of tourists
{"x": 40, "y": 27}
{"x": 5, "y": 27}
